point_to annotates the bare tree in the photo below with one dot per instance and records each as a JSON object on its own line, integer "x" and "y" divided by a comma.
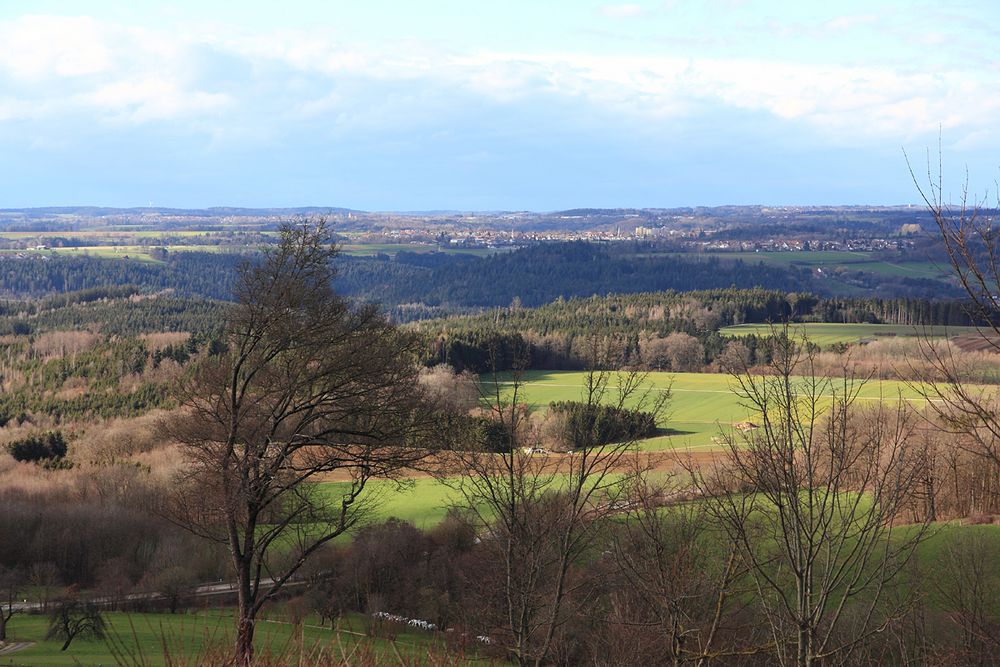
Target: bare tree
{"x": 44, "y": 576}
{"x": 812, "y": 498}
{"x": 966, "y": 588}
{"x": 308, "y": 385}
{"x": 677, "y": 351}
{"x": 538, "y": 513}
{"x": 680, "y": 578}
{"x": 72, "y": 617}
{"x": 971, "y": 241}
{"x": 11, "y": 582}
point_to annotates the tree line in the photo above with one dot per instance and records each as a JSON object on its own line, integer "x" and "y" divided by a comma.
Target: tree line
{"x": 670, "y": 330}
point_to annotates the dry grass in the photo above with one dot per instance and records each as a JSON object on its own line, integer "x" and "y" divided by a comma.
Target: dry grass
{"x": 62, "y": 343}
{"x": 163, "y": 339}
{"x": 117, "y": 439}
{"x": 906, "y": 358}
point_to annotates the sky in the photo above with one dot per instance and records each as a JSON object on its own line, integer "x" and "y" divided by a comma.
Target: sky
{"x": 483, "y": 105}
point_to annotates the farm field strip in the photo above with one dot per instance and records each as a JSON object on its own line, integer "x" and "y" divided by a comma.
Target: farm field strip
{"x": 850, "y": 260}
{"x": 711, "y": 391}
{"x": 99, "y": 244}
{"x": 825, "y": 333}
{"x": 700, "y": 405}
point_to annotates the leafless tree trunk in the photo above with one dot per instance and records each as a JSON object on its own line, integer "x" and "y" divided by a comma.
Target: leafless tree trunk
{"x": 967, "y": 586}
{"x": 972, "y": 243}
{"x": 540, "y": 513}
{"x": 812, "y": 498}
{"x": 681, "y": 572}
{"x": 11, "y": 581}
{"x": 308, "y": 385}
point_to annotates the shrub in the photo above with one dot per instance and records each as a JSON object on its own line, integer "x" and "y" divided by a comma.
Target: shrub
{"x": 39, "y": 447}
{"x": 589, "y": 425}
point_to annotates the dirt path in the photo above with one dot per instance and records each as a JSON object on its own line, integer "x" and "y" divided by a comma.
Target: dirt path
{"x": 671, "y": 460}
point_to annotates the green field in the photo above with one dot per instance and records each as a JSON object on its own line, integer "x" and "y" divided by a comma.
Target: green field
{"x": 105, "y": 244}
{"x": 101, "y": 234}
{"x": 835, "y": 260}
{"x": 137, "y": 253}
{"x": 826, "y": 334}
{"x": 701, "y": 403}
{"x": 424, "y": 502}
{"x": 187, "y": 636}
{"x": 368, "y": 249}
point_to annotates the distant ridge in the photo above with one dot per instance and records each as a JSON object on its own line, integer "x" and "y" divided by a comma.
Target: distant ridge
{"x": 214, "y": 210}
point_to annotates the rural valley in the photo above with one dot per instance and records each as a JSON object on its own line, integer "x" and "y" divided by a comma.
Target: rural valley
{"x": 550, "y": 334}
{"x": 522, "y": 397}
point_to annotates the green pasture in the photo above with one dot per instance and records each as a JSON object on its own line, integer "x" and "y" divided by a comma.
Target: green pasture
{"x": 826, "y": 334}
{"x": 104, "y": 234}
{"x": 369, "y": 249}
{"x": 116, "y": 244}
{"x": 424, "y": 502}
{"x": 836, "y": 260}
{"x": 700, "y": 403}
{"x": 161, "y": 639}
{"x": 138, "y": 253}
{"x": 134, "y": 253}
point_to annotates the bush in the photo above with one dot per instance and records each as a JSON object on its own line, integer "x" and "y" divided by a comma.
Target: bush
{"x": 39, "y": 447}
{"x": 589, "y": 425}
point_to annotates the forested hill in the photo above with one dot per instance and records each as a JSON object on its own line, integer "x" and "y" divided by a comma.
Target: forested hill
{"x": 201, "y": 274}
{"x": 417, "y": 286}
{"x": 543, "y": 273}
{"x": 700, "y": 312}
{"x": 114, "y": 312}
{"x": 557, "y": 334}
{"x": 535, "y": 275}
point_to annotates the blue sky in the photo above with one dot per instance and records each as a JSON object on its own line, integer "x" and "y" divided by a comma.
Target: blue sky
{"x": 485, "y": 105}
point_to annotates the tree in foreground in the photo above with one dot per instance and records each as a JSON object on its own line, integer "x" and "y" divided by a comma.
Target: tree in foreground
{"x": 813, "y": 498}
{"x": 11, "y": 582}
{"x": 540, "y": 515}
{"x": 307, "y": 386}
{"x": 72, "y": 618}
{"x": 674, "y": 596}
{"x": 971, "y": 240}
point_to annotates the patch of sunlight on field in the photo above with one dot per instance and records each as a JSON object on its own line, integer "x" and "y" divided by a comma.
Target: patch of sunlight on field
{"x": 700, "y": 404}
{"x": 826, "y": 334}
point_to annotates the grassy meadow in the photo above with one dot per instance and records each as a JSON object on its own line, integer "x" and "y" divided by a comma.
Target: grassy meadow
{"x": 115, "y": 244}
{"x": 180, "y": 639}
{"x": 368, "y": 249}
{"x": 700, "y": 403}
{"x": 826, "y": 334}
{"x": 842, "y": 260}
{"x": 423, "y": 501}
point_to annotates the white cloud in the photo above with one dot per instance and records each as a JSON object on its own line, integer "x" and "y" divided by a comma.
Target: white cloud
{"x": 58, "y": 65}
{"x": 38, "y": 47}
{"x": 64, "y": 65}
{"x": 627, "y": 10}
{"x": 147, "y": 99}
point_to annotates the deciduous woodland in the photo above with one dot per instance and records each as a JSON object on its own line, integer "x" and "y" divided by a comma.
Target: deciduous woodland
{"x": 566, "y": 454}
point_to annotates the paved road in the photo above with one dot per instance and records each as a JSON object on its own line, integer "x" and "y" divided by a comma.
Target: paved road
{"x": 207, "y": 590}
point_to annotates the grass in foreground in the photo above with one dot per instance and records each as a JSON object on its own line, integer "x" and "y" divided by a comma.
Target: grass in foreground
{"x": 185, "y": 639}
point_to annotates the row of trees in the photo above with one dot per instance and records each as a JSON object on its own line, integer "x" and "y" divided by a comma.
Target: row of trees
{"x": 694, "y": 312}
